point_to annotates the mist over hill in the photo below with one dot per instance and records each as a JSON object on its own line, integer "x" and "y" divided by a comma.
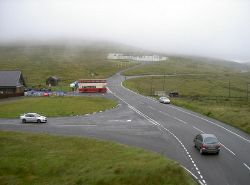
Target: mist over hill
{"x": 83, "y": 52}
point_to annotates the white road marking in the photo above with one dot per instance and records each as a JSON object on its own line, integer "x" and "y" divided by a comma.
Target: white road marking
{"x": 189, "y": 172}
{"x": 228, "y": 149}
{"x": 198, "y": 129}
{"x": 212, "y": 123}
{"x": 159, "y": 126}
{"x": 180, "y": 120}
{"x": 220, "y": 143}
{"x": 194, "y": 175}
{"x": 195, "y": 116}
{"x": 200, "y": 183}
{"x": 246, "y": 166}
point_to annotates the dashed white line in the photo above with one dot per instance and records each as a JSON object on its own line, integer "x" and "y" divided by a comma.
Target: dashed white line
{"x": 211, "y": 123}
{"x": 180, "y": 120}
{"x": 198, "y": 129}
{"x": 220, "y": 143}
{"x": 159, "y": 126}
{"x": 197, "y": 117}
{"x": 201, "y": 130}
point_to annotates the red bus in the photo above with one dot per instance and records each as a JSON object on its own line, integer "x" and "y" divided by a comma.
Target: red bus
{"x": 92, "y": 85}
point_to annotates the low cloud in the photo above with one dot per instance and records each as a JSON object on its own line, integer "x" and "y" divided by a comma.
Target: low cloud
{"x": 208, "y": 28}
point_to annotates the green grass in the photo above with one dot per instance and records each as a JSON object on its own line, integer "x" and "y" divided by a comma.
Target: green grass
{"x": 235, "y": 113}
{"x": 206, "y": 94}
{"x": 181, "y": 65}
{"x": 43, "y": 159}
{"x": 70, "y": 63}
{"x": 55, "y": 106}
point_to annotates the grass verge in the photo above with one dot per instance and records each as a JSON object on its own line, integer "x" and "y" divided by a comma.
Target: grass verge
{"x": 55, "y": 106}
{"x": 212, "y": 95}
{"x": 42, "y": 159}
{"x": 187, "y": 65}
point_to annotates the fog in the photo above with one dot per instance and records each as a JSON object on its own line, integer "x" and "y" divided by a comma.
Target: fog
{"x": 214, "y": 28}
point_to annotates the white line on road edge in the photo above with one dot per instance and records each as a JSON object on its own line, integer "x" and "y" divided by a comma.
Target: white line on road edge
{"x": 190, "y": 172}
{"x": 159, "y": 126}
{"x": 196, "y": 127}
{"x": 194, "y": 116}
{"x": 246, "y": 166}
{"x": 220, "y": 143}
{"x": 211, "y": 123}
{"x": 192, "y": 175}
{"x": 186, "y": 122}
{"x": 228, "y": 149}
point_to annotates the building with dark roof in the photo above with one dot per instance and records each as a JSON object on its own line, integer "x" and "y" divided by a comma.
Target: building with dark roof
{"x": 11, "y": 84}
{"x": 52, "y": 81}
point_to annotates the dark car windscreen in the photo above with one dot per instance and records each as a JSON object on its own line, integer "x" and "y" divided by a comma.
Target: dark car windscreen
{"x": 210, "y": 140}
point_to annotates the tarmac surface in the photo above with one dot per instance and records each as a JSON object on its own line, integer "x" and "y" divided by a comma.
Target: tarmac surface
{"x": 166, "y": 129}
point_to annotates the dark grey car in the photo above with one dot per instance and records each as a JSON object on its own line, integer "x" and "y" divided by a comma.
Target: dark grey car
{"x": 207, "y": 143}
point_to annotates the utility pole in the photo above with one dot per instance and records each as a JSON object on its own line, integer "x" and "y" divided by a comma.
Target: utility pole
{"x": 229, "y": 89}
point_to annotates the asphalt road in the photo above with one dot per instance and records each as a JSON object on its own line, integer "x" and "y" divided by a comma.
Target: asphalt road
{"x": 169, "y": 130}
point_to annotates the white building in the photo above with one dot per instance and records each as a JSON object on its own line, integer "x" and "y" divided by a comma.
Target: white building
{"x": 120, "y": 56}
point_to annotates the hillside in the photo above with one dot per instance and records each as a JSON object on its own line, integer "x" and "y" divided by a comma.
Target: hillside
{"x": 87, "y": 59}
{"x": 189, "y": 65}
{"x": 70, "y": 61}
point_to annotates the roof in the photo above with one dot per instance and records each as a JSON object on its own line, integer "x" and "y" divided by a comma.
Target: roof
{"x": 53, "y": 77}
{"x": 208, "y": 135}
{"x": 10, "y": 78}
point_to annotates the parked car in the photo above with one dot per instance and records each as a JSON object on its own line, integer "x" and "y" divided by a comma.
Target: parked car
{"x": 33, "y": 117}
{"x": 207, "y": 143}
{"x": 164, "y": 100}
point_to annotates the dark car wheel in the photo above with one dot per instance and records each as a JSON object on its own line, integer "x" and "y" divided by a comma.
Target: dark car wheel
{"x": 38, "y": 121}
{"x": 24, "y": 121}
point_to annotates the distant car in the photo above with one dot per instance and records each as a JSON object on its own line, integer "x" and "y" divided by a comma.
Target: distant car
{"x": 33, "y": 117}
{"x": 207, "y": 143}
{"x": 164, "y": 100}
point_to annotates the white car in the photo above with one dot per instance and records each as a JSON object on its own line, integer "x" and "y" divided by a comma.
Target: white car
{"x": 33, "y": 117}
{"x": 164, "y": 100}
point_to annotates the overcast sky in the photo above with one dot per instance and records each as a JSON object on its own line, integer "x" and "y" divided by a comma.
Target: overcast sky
{"x": 215, "y": 28}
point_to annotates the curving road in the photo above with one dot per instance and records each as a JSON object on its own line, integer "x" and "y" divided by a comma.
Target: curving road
{"x": 179, "y": 126}
{"x": 166, "y": 129}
